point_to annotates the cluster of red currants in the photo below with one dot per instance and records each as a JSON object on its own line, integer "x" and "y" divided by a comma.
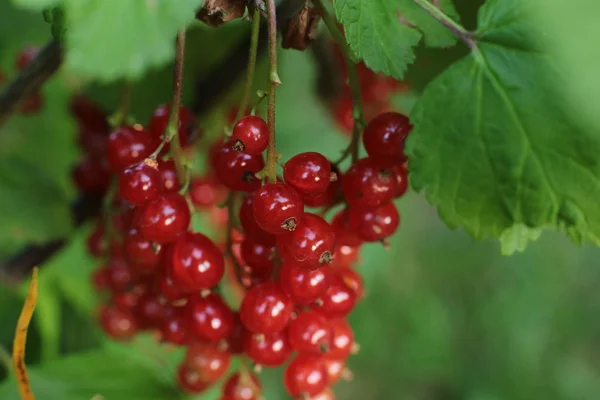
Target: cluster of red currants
{"x": 292, "y": 269}
{"x": 35, "y": 102}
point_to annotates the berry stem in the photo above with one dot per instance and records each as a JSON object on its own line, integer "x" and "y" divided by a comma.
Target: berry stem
{"x": 358, "y": 113}
{"x": 230, "y": 202}
{"x": 448, "y": 22}
{"x": 172, "y": 127}
{"x": 251, "y": 63}
{"x": 271, "y": 171}
{"x": 120, "y": 116}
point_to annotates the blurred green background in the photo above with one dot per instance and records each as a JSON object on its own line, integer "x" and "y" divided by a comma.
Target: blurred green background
{"x": 445, "y": 317}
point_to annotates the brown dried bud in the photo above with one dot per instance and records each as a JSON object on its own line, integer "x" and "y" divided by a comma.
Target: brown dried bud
{"x": 216, "y": 12}
{"x": 301, "y": 29}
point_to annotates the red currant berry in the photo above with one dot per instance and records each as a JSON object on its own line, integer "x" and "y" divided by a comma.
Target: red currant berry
{"x": 209, "y": 318}
{"x": 400, "y": 174}
{"x": 311, "y": 245}
{"x": 128, "y": 145}
{"x": 309, "y": 332}
{"x": 141, "y": 254}
{"x": 303, "y": 286}
{"x": 168, "y": 175}
{"x": 308, "y": 173}
{"x": 140, "y": 182}
{"x": 100, "y": 279}
{"x": 277, "y": 208}
{"x": 251, "y": 135}
{"x": 305, "y": 375}
{"x": 95, "y": 241}
{"x": 336, "y": 369}
{"x": 342, "y": 113}
{"x": 197, "y": 261}
{"x": 174, "y": 329}
{"x": 91, "y": 176}
{"x": 120, "y": 275}
{"x": 250, "y": 225}
{"x": 384, "y": 136}
{"x": 366, "y": 185}
{"x": 237, "y": 170}
{"x": 169, "y": 289}
{"x": 117, "y": 323}
{"x": 353, "y": 280}
{"x": 376, "y": 224}
{"x": 342, "y": 339}
{"x": 126, "y": 301}
{"x": 152, "y": 310}
{"x": 257, "y": 257}
{"x": 344, "y": 257}
{"x": 331, "y": 194}
{"x": 266, "y": 308}
{"x": 89, "y": 114}
{"x": 163, "y": 219}
{"x": 189, "y": 380}
{"x": 208, "y": 360}
{"x": 207, "y": 192}
{"x": 186, "y": 124}
{"x": 326, "y": 394}
{"x": 344, "y": 235}
{"x": 270, "y": 350}
{"x": 235, "y": 341}
{"x": 337, "y": 301}
{"x": 26, "y": 56}
{"x": 244, "y": 386}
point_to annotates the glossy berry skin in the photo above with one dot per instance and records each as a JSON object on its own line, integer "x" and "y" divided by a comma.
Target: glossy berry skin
{"x": 237, "y": 170}
{"x": 151, "y": 310}
{"x": 160, "y": 119}
{"x": 375, "y": 224}
{"x": 143, "y": 255}
{"x": 277, "y": 208}
{"x": 384, "y": 136}
{"x": 140, "y": 182}
{"x": 337, "y": 301}
{"x": 336, "y": 368}
{"x": 210, "y": 362}
{"x": 270, "y": 350}
{"x": 344, "y": 234}
{"x": 250, "y": 225}
{"x": 119, "y": 274}
{"x": 309, "y": 173}
{"x": 400, "y": 174}
{"x": 118, "y": 324}
{"x": 26, "y": 56}
{"x": 174, "y": 329}
{"x": 168, "y": 288}
{"x": 126, "y": 301}
{"x": 242, "y": 387}
{"x": 330, "y": 195}
{"x": 326, "y": 394}
{"x": 344, "y": 257}
{"x": 309, "y": 332}
{"x": 197, "y": 262}
{"x": 189, "y": 380}
{"x": 305, "y": 375}
{"x": 168, "y": 176}
{"x": 257, "y": 257}
{"x": 311, "y": 245}
{"x": 250, "y": 135}
{"x": 128, "y": 145}
{"x": 91, "y": 176}
{"x": 304, "y": 286}
{"x": 353, "y": 280}
{"x": 209, "y": 318}
{"x": 342, "y": 339}
{"x": 163, "y": 219}
{"x": 366, "y": 185}
{"x": 207, "y": 192}
{"x": 266, "y": 308}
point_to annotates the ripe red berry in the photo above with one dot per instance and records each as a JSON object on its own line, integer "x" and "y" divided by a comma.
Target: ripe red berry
{"x": 305, "y": 375}
{"x": 151, "y": 310}
{"x": 250, "y": 225}
{"x": 344, "y": 257}
{"x": 342, "y": 339}
{"x": 93, "y": 143}
{"x": 209, "y": 318}
{"x": 168, "y": 288}
{"x": 336, "y": 368}
{"x": 277, "y": 208}
{"x": 119, "y": 274}
{"x": 208, "y": 360}
{"x": 311, "y": 245}
{"x": 168, "y": 175}
{"x": 326, "y": 394}
{"x": 244, "y": 386}
{"x": 309, "y": 332}
{"x": 186, "y": 124}
{"x": 91, "y": 176}
{"x": 266, "y": 308}
{"x": 270, "y": 350}
{"x": 100, "y": 279}
{"x": 375, "y": 224}
{"x": 89, "y": 115}
{"x": 128, "y": 145}
{"x": 304, "y": 286}
{"x": 400, "y": 174}
{"x": 95, "y": 241}
{"x": 237, "y": 170}
{"x": 309, "y": 173}
{"x": 117, "y": 323}
{"x": 163, "y": 219}
{"x": 26, "y": 56}
{"x": 235, "y": 341}
{"x": 126, "y": 301}
{"x": 142, "y": 254}
{"x": 384, "y": 136}
{"x": 342, "y": 113}
{"x": 251, "y": 135}
{"x": 207, "y": 192}
{"x": 331, "y": 194}
{"x": 140, "y": 182}
{"x": 189, "y": 380}
{"x": 337, "y": 301}
{"x": 197, "y": 262}
{"x": 353, "y": 280}
{"x": 257, "y": 257}
{"x": 367, "y": 185}
{"x": 174, "y": 329}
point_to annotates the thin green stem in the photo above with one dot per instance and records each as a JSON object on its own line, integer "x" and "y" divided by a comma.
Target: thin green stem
{"x": 271, "y": 168}
{"x": 231, "y": 218}
{"x": 448, "y": 22}
{"x": 119, "y": 118}
{"x": 172, "y": 127}
{"x": 358, "y": 113}
{"x": 251, "y": 64}
{"x": 5, "y": 359}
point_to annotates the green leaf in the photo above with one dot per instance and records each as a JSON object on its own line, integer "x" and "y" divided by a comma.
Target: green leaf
{"x": 135, "y": 35}
{"x": 36, "y": 4}
{"x": 494, "y": 145}
{"x": 517, "y": 237}
{"x": 384, "y": 33}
